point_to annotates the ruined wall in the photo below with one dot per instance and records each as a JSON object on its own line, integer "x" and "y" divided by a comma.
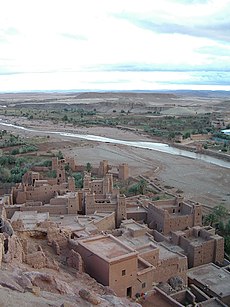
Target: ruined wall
{"x": 57, "y": 239}
{"x": 75, "y": 261}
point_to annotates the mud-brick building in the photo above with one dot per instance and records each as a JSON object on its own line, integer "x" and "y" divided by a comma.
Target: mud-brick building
{"x": 174, "y": 214}
{"x": 116, "y": 265}
{"x": 35, "y": 189}
{"x": 121, "y": 172}
{"x": 201, "y": 245}
{"x": 166, "y": 262}
{"x": 99, "y": 195}
{"x": 212, "y": 280}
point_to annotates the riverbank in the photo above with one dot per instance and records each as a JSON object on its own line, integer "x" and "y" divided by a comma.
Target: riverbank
{"x": 208, "y": 152}
{"x": 201, "y": 181}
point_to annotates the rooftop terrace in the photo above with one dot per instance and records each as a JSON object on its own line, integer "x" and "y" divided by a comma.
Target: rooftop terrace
{"x": 212, "y": 277}
{"x": 107, "y": 247}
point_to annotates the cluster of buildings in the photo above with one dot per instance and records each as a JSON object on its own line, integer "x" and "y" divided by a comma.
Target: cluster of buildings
{"x": 132, "y": 245}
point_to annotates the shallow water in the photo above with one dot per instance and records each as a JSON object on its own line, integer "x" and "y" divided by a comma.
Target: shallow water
{"x": 161, "y": 147}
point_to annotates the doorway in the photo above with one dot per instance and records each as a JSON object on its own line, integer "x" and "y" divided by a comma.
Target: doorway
{"x": 129, "y": 292}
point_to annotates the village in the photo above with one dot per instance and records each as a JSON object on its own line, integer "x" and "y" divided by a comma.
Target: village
{"x": 155, "y": 252}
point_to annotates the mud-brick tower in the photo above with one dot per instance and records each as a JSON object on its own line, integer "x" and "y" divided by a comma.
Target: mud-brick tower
{"x": 123, "y": 171}
{"x": 121, "y": 209}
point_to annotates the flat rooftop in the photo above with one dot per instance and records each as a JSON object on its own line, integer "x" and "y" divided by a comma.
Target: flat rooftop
{"x": 30, "y": 219}
{"x": 78, "y": 222}
{"x": 147, "y": 248}
{"x": 107, "y": 247}
{"x": 211, "y": 276}
{"x": 132, "y": 225}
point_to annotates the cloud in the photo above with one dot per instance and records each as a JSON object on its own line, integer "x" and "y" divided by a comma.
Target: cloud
{"x": 216, "y": 31}
{"x": 74, "y": 36}
{"x": 122, "y": 37}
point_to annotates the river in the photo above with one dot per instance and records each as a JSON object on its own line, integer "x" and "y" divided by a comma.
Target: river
{"x": 161, "y": 147}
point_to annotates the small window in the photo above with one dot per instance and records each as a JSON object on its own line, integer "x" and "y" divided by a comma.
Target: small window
{"x": 123, "y": 272}
{"x": 143, "y": 285}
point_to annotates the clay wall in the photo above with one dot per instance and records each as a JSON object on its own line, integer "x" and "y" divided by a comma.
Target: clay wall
{"x": 97, "y": 186}
{"x": 57, "y": 201}
{"x": 42, "y": 193}
{"x": 152, "y": 256}
{"x": 33, "y": 203}
{"x": 103, "y": 168}
{"x": 143, "y": 281}
{"x": 165, "y": 202}
{"x": 75, "y": 261}
{"x": 176, "y": 266}
{"x": 155, "y": 218}
{"x": 186, "y": 209}
{"x": 136, "y": 216}
{"x": 137, "y": 232}
{"x": 200, "y": 245}
{"x": 95, "y": 266}
{"x": 219, "y": 250}
{"x": 184, "y": 296}
{"x": 123, "y": 171}
{"x": 40, "y": 168}
{"x": 73, "y": 205}
{"x": 177, "y": 222}
{"x": 159, "y": 237}
{"x": 200, "y": 137}
{"x": 200, "y": 295}
{"x": 57, "y": 209}
{"x": 107, "y": 223}
{"x": 100, "y": 208}
{"x": 123, "y": 275}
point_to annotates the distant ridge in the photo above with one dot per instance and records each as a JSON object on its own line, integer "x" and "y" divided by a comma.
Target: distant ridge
{"x": 199, "y": 93}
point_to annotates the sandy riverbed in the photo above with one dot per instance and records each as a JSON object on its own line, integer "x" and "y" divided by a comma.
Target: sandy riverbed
{"x": 199, "y": 180}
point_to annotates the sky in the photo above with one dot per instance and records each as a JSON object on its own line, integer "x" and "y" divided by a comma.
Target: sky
{"x": 114, "y": 44}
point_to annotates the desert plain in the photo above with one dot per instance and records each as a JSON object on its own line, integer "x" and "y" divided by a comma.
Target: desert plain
{"x": 200, "y": 181}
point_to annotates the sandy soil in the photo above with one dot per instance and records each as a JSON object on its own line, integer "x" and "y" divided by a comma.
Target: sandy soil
{"x": 200, "y": 181}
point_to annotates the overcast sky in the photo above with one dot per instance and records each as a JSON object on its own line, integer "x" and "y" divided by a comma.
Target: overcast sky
{"x": 114, "y": 44}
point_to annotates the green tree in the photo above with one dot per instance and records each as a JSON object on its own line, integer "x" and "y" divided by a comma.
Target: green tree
{"x": 78, "y": 180}
{"x": 217, "y": 214}
{"x": 210, "y": 219}
{"x": 60, "y": 155}
{"x": 227, "y": 244}
{"x": 142, "y": 185}
{"x": 88, "y": 167}
{"x": 220, "y": 211}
